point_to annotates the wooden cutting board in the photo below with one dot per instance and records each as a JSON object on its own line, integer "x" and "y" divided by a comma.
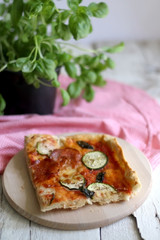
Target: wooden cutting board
{"x": 21, "y": 196}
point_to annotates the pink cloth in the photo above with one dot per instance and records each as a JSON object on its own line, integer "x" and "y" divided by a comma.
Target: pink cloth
{"x": 117, "y": 109}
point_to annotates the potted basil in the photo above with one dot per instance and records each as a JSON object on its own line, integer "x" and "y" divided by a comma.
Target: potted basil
{"x": 34, "y": 46}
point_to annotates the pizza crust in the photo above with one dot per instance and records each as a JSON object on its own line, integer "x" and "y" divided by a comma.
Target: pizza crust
{"x": 65, "y": 198}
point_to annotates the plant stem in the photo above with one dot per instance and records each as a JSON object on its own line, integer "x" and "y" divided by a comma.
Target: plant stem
{"x": 40, "y": 53}
{"x": 38, "y": 49}
{"x": 35, "y": 54}
{"x": 77, "y": 47}
{"x": 43, "y": 20}
{"x": 3, "y": 59}
{"x": 45, "y": 84}
{"x": 31, "y": 54}
{"x": 3, "y": 67}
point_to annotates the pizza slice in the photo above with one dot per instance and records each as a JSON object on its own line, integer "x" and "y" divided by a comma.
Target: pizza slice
{"x": 72, "y": 171}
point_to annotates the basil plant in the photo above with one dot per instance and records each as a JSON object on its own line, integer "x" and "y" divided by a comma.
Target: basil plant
{"x": 34, "y": 38}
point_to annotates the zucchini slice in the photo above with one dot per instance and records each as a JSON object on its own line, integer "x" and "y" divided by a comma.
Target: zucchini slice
{"x": 45, "y": 148}
{"x": 95, "y": 160}
{"x": 101, "y": 186}
{"x": 73, "y": 182}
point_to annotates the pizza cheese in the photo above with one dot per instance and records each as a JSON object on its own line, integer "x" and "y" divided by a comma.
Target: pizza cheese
{"x": 72, "y": 171}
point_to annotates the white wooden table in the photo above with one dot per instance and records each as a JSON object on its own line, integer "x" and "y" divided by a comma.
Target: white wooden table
{"x": 139, "y": 66}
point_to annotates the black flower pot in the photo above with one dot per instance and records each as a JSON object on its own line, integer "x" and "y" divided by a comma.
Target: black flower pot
{"x": 22, "y": 98}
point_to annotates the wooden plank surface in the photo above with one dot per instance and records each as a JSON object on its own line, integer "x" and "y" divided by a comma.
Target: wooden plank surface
{"x": 148, "y": 215}
{"x": 126, "y": 229}
{"x": 138, "y": 65}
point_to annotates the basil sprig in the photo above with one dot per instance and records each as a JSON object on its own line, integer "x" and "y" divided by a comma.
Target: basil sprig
{"x": 32, "y": 39}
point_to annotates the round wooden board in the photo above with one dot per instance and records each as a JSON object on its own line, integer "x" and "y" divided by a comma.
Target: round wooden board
{"x": 21, "y": 196}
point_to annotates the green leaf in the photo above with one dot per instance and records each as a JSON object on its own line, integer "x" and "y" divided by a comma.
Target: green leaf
{"x": 30, "y": 78}
{"x": 24, "y": 37}
{"x": 74, "y": 89}
{"x": 71, "y": 69}
{"x": 63, "y": 31}
{"x": 98, "y": 10}
{"x": 83, "y": 59}
{"x": 54, "y": 77}
{"x": 28, "y": 66}
{"x": 17, "y": 65}
{"x": 117, "y": 48}
{"x": 48, "y": 10}
{"x": 16, "y": 11}
{"x": 2, "y": 105}
{"x": 101, "y": 66}
{"x": 94, "y": 61}
{"x": 34, "y": 8}
{"x": 102, "y": 56}
{"x": 63, "y": 58}
{"x": 84, "y": 9}
{"x": 5, "y": 27}
{"x": 46, "y": 68}
{"x": 73, "y": 4}
{"x": 20, "y": 62}
{"x": 65, "y": 97}
{"x": 36, "y": 84}
{"x": 65, "y": 15}
{"x": 110, "y": 63}
{"x": 89, "y": 76}
{"x": 100, "y": 82}
{"x": 55, "y": 83}
{"x": 2, "y": 8}
{"x": 88, "y": 93}
{"x": 11, "y": 55}
{"x": 54, "y": 26}
{"x": 12, "y": 66}
{"x": 42, "y": 29}
{"x": 80, "y": 25}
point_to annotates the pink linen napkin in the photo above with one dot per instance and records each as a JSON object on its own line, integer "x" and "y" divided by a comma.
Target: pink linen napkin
{"x": 117, "y": 109}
